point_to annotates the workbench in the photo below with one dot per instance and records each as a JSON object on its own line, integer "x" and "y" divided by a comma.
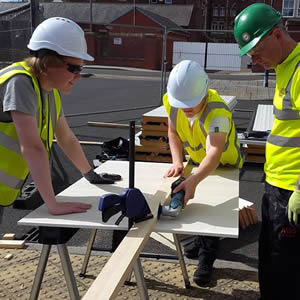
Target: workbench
{"x": 213, "y": 212}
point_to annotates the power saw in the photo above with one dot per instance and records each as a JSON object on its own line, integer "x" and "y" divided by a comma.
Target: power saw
{"x": 175, "y": 206}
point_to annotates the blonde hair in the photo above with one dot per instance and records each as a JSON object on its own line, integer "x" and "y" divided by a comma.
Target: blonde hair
{"x": 42, "y": 60}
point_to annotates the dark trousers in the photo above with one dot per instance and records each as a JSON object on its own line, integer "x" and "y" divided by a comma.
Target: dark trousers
{"x": 1, "y": 214}
{"x": 279, "y": 248}
{"x": 206, "y": 245}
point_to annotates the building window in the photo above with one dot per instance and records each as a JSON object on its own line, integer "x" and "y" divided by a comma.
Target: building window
{"x": 217, "y": 26}
{"x": 233, "y": 11}
{"x": 214, "y": 26}
{"x": 215, "y": 11}
{"x": 168, "y": 1}
{"x": 203, "y": 10}
{"x": 222, "y": 11}
{"x": 288, "y": 8}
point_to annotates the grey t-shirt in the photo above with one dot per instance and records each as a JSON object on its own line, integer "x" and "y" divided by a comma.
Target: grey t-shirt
{"x": 18, "y": 94}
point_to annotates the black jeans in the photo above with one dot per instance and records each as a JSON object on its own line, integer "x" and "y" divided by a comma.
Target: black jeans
{"x": 1, "y": 214}
{"x": 206, "y": 245}
{"x": 279, "y": 248}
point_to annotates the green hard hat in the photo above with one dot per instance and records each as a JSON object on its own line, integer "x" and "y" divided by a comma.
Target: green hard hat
{"x": 252, "y": 23}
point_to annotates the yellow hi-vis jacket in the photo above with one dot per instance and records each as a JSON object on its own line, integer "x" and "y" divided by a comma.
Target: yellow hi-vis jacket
{"x": 194, "y": 141}
{"x": 13, "y": 167}
{"x": 282, "y": 166}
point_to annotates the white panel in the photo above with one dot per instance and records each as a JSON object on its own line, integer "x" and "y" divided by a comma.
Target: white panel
{"x": 263, "y": 118}
{"x": 223, "y": 56}
{"x": 213, "y": 211}
{"x": 185, "y": 50}
{"x": 220, "y": 56}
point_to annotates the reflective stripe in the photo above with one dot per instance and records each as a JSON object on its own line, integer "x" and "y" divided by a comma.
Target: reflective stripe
{"x": 53, "y": 110}
{"x": 11, "y": 69}
{"x": 173, "y": 115}
{"x": 286, "y": 104}
{"x": 209, "y": 107}
{"x": 283, "y": 141}
{"x": 229, "y": 133}
{"x": 10, "y": 143}
{"x": 286, "y": 115}
{"x": 201, "y": 125}
{"x": 11, "y": 181}
{"x": 239, "y": 151}
{"x": 187, "y": 144}
{"x": 213, "y": 105}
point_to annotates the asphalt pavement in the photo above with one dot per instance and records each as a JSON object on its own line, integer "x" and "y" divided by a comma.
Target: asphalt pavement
{"x": 118, "y": 96}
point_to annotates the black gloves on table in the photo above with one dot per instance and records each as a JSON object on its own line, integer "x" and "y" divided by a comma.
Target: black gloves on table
{"x": 102, "y": 178}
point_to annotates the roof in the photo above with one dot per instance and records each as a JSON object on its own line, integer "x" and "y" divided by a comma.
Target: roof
{"x": 162, "y": 21}
{"x": 105, "y": 13}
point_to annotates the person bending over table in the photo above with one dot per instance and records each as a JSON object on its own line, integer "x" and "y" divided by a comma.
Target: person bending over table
{"x": 200, "y": 121}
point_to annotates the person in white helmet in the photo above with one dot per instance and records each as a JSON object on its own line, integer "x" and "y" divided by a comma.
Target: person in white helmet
{"x": 31, "y": 114}
{"x": 201, "y": 123}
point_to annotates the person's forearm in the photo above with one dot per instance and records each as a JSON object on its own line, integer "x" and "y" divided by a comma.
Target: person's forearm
{"x": 73, "y": 150}
{"x": 175, "y": 147}
{"x": 38, "y": 163}
{"x": 207, "y": 166}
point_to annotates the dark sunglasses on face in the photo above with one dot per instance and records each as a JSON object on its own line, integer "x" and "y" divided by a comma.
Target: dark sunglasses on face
{"x": 74, "y": 69}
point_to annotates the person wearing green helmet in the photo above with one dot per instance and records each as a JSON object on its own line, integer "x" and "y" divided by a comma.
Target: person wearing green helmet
{"x": 259, "y": 31}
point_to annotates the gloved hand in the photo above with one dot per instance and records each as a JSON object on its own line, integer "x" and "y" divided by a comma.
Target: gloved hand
{"x": 95, "y": 178}
{"x": 294, "y": 207}
{"x": 111, "y": 176}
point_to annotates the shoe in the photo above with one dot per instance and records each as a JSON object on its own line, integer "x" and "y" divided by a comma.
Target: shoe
{"x": 204, "y": 270}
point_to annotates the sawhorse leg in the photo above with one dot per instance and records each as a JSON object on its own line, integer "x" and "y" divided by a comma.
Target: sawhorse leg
{"x": 68, "y": 271}
{"x": 88, "y": 255}
{"x": 67, "y": 268}
{"x": 88, "y": 252}
{"x": 140, "y": 280}
{"x": 35, "y": 290}
{"x": 137, "y": 269}
{"x": 181, "y": 262}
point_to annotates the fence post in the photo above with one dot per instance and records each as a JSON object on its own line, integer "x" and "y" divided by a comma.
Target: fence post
{"x": 163, "y": 64}
{"x": 34, "y": 10}
{"x": 205, "y": 55}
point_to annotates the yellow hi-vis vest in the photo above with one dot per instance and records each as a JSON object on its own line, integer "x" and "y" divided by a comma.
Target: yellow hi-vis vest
{"x": 194, "y": 141}
{"x": 13, "y": 167}
{"x": 282, "y": 166}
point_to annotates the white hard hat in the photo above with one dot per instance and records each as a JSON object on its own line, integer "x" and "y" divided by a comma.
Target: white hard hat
{"x": 62, "y": 36}
{"x": 187, "y": 85}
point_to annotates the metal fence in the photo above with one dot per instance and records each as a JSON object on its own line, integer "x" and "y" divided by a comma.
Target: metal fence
{"x": 15, "y": 32}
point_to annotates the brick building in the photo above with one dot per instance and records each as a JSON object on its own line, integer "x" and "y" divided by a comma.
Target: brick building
{"x": 133, "y": 32}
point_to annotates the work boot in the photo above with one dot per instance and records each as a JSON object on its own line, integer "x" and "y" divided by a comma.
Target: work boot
{"x": 203, "y": 272}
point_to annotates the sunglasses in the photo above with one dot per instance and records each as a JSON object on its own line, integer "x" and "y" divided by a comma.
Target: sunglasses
{"x": 74, "y": 69}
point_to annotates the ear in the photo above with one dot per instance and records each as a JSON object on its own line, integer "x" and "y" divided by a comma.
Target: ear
{"x": 277, "y": 33}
